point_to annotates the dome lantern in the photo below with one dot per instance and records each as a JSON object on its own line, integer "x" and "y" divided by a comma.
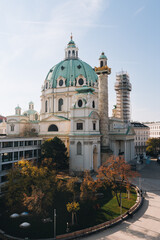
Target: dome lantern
{"x": 18, "y": 110}
{"x": 103, "y": 60}
{"x": 71, "y": 51}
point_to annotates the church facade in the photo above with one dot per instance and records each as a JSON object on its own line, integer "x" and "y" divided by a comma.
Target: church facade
{"x": 74, "y": 107}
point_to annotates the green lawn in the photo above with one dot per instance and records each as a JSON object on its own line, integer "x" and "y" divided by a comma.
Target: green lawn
{"x": 111, "y": 209}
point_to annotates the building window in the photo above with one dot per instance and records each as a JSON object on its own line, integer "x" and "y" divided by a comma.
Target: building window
{"x": 81, "y": 81}
{"x": 46, "y": 106}
{"x": 15, "y": 144}
{"x": 101, "y": 64}
{"x": 93, "y": 104}
{"x": 94, "y": 126}
{"x": 80, "y": 103}
{"x": 12, "y": 128}
{"x": 79, "y": 126}
{"x": 60, "y": 103}
{"x": 79, "y": 148}
{"x": 36, "y": 116}
{"x": 60, "y": 82}
{"x": 53, "y": 128}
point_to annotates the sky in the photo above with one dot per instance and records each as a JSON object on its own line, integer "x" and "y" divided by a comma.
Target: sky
{"x": 34, "y": 34}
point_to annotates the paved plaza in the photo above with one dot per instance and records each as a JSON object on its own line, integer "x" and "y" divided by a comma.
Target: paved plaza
{"x": 145, "y": 224}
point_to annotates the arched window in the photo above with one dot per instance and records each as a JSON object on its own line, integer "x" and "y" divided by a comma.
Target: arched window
{"x": 46, "y": 106}
{"x": 12, "y": 128}
{"x": 60, "y": 103}
{"x": 93, "y": 104}
{"x": 73, "y": 53}
{"x": 36, "y": 116}
{"x": 101, "y": 64}
{"x": 53, "y": 128}
{"x": 79, "y": 148}
{"x": 69, "y": 53}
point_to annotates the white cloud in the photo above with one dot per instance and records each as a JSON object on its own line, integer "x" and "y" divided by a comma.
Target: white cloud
{"x": 139, "y": 10}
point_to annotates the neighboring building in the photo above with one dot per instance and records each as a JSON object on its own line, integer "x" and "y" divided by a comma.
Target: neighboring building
{"x": 23, "y": 124}
{"x": 154, "y": 129}
{"x": 142, "y": 132}
{"x": 14, "y": 149}
{"x": 121, "y": 137}
{"x": 3, "y": 125}
{"x": 122, "y": 88}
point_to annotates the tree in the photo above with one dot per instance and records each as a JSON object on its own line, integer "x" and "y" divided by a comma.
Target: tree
{"x": 55, "y": 149}
{"x": 21, "y": 180}
{"x": 34, "y": 202}
{"x": 153, "y": 146}
{"x": 73, "y": 207}
{"x": 88, "y": 187}
{"x": 72, "y": 186}
{"x": 118, "y": 174}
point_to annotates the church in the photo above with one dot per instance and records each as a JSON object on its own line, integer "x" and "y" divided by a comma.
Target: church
{"x": 74, "y": 107}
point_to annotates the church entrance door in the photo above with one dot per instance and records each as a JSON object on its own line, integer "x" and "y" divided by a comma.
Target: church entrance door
{"x": 95, "y": 156}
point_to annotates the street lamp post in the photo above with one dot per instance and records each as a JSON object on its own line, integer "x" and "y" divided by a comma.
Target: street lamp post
{"x": 120, "y": 203}
{"x": 54, "y": 223}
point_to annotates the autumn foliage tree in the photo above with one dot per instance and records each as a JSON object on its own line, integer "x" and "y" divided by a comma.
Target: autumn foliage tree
{"x": 88, "y": 187}
{"x": 118, "y": 174}
{"x": 27, "y": 181}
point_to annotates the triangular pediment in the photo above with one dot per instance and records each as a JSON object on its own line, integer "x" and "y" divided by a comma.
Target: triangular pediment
{"x": 54, "y": 118}
{"x": 130, "y": 131}
{"x": 94, "y": 115}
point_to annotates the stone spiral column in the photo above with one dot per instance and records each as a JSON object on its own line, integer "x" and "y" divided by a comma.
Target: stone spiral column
{"x": 103, "y": 71}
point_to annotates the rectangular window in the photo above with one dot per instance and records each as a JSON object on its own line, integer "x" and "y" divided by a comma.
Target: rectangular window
{"x": 15, "y": 144}
{"x": 7, "y": 144}
{"x": 21, "y": 143}
{"x": 21, "y": 155}
{"x": 15, "y": 155}
{"x": 35, "y": 153}
{"x": 7, "y": 157}
{"x": 79, "y": 126}
{"x": 94, "y": 126}
{"x": 28, "y": 154}
{"x": 6, "y": 166}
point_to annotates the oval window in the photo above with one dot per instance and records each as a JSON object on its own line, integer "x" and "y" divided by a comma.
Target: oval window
{"x": 60, "y": 82}
{"x": 80, "y": 81}
{"x": 80, "y": 103}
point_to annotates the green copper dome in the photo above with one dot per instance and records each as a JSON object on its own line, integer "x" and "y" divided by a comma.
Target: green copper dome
{"x": 70, "y": 69}
{"x": 18, "y": 107}
{"x": 71, "y": 44}
{"x": 103, "y": 56}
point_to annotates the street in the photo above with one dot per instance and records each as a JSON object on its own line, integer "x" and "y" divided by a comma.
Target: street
{"x": 145, "y": 224}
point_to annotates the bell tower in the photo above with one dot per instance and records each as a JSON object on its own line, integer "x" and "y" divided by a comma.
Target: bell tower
{"x": 103, "y": 71}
